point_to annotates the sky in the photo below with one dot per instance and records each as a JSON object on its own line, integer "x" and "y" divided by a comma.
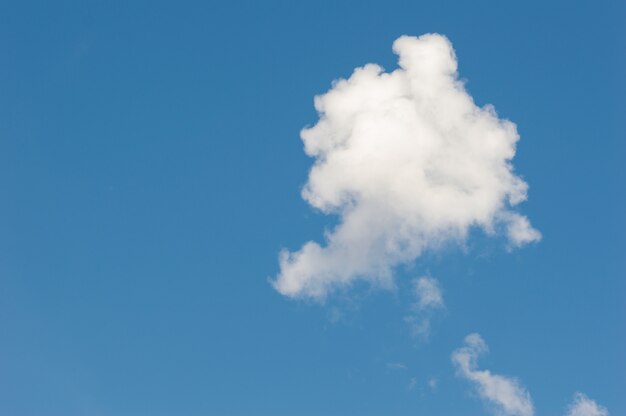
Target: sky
{"x": 312, "y": 208}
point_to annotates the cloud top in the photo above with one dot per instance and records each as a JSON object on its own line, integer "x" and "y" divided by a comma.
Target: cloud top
{"x": 584, "y": 406}
{"x": 408, "y": 162}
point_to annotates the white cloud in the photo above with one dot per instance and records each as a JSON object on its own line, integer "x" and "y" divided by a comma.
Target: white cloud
{"x": 520, "y": 231}
{"x": 427, "y": 293}
{"x": 584, "y": 406}
{"x": 408, "y": 162}
{"x": 428, "y": 298}
{"x": 506, "y": 394}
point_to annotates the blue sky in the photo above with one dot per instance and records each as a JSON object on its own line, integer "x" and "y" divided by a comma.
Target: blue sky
{"x": 151, "y": 169}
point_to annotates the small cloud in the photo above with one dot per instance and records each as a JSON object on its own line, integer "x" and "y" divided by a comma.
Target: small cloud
{"x": 412, "y": 384}
{"x": 427, "y": 293}
{"x": 506, "y": 394}
{"x": 419, "y": 326}
{"x": 396, "y": 366}
{"x": 428, "y": 298}
{"x": 520, "y": 231}
{"x": 432, "y": 383}
{"x": 584, "y": 406}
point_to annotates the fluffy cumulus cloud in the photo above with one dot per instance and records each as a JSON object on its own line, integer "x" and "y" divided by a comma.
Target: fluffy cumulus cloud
{"x": 505, "y": 394}
{"x": 408, "y": 162}
{"x": 427, "y": 299}
{"x": 584, "y": 406}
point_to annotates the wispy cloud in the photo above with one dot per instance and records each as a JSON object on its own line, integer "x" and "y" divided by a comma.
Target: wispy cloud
{"x": 427, "y": 293}
{"x": 408, "y": 162}
{"x": 396, "y": 366}
{"x": 584, "y": 406}
{"x": 428, "y": 298}
{"x": 433, "y": 383}
{"x": 505, "y": 394}
{"x": 412, "y": 384}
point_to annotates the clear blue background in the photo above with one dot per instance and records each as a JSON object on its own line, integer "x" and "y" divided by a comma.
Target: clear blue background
{"x": 150, "y": 168}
